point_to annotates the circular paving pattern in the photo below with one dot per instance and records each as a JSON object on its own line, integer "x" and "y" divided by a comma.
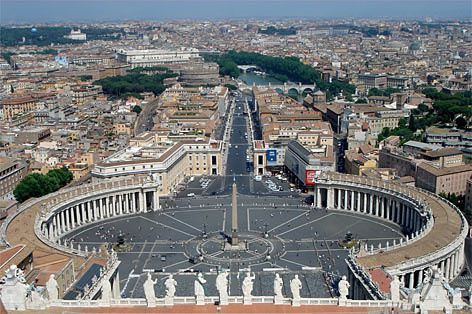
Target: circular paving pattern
{"x": 216, "y": 249}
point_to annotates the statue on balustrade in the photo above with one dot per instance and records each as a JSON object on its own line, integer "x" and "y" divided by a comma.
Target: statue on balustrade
{"x": 53, "y": 288}
{"x": 149, "y": 292}
{"x": 170, "y": 285}
{"x": 278, "y": 285}
{"x": 295, "y": 287}
{"x": 395, "y": 289}
{"x": 343, "y": 288}
{"x": 248, "y": 284}
{"x": 222, "y": 286}
{"x": 199, "y": 289}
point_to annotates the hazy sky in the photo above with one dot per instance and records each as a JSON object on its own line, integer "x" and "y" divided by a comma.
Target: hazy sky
{"x": 38, "y": 11}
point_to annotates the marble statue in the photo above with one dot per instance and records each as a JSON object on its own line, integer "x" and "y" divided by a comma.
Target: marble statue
{"x": 199, "y": 290}
{"x": 53, "y": 288}
{"x": 395, "y": 289}
{"x": 222, "y": 287}
{"x": 278, "y": 285}
{"x": 14, "y": 290}
{"x": 343, "y": 287}
{"x": 106, "y": 291}
{"x": 248, "y": 284}
{"x": 170, "y": 285}
{"x": 149, "y": 291}
{"x": 295, "y": 286}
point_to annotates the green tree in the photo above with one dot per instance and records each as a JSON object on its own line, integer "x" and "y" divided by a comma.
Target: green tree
{"x": 37, "y": 185}
{"x": 137, "y": 109}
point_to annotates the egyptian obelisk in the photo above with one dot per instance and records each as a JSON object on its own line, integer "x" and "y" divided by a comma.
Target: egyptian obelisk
{"x": 234, "y": 218}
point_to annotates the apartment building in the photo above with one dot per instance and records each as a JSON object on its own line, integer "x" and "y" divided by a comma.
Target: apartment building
{"x": 443, "y": 180}
{"x": 11, "y": 173}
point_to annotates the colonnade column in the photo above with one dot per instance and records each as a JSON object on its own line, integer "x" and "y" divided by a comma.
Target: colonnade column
{"x": 330, "y": 198}
{"x": 90, "y": 211}
{"x": 142, "y": 201}
{"x": 358, "y": 201}
{"x": 447, "y": 268}
{"x": 66, "y": 214}
{"x": 345, "y": 199}
{"x": 318, "y": 197}
{"x": 382, "y": 205}
{"x": 352, "y": 200}
{"x": 411, "y": 280}
{"x": 133, "y": 202}
{"x": 339, "y": 199}
{"x": 126, "y": 204}
{"x": 156, "y": 200}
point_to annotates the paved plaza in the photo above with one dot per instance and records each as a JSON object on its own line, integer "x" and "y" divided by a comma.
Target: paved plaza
{"x": 280, "y": 235}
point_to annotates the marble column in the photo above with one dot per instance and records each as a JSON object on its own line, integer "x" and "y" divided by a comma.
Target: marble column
{"x": 345, "y": 199}
{"x": 330, "y": 198}
{"x": 126, "y": 203}
{"x": 157, "y": 206}
{"x": 359, "y": 201}
{"x": 382, "y": 205}
{"x": 142, "y": 201}
{"x": 447, "y": 268}
{"x": 339, "y": 199}
{"x": 107, "y": 207}
{"x": 66, "y": 214}
{"x": 318, "y": 197}
{"x": 411, "y": 280}
{"x": 352, "y": 200}
{"x": 90, "y": 211}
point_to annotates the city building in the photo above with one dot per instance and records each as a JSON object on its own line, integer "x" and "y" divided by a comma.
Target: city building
{"x": 156, "y": 57}
{"x": 11, "y": 173}
{"x": 452, "y": 179}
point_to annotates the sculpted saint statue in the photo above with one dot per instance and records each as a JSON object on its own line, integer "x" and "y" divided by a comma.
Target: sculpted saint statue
{"x": 198, "y": 286}
{"x": 278, "y": 285}
{"x": 248, "y": 284}
{"x": 170, "y": 285}
{"x": 343, "y": 287}
{"x": 295, "y": 286}
{"x": 148, "y": 286}
{"x": 222, "y": 284}
{"x": 52, "y": 288}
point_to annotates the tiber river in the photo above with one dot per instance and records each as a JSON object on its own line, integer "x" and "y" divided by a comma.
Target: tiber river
{"x": 249, "y": 78}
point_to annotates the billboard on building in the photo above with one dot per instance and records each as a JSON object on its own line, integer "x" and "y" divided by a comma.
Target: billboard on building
{"x": 271, "y": 157}
{"x": 310, "y": 176}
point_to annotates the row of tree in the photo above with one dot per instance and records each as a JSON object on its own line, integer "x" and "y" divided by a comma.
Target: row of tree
{"x": 37, "y": 185}
{"x": 134, "y": 83}
{"x": 282, "y": 68}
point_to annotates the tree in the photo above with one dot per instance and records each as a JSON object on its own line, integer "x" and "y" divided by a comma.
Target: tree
{"x": 37, "y": 185}
{"x": 137, "y": 109}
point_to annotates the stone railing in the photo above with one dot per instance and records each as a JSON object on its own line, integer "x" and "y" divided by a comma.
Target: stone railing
{"x": 210, "y": 300}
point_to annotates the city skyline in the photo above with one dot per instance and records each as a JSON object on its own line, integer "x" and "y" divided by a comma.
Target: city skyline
{"x": 70, "y": 11}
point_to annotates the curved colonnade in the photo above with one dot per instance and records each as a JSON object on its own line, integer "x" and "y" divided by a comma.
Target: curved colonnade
{"x": 435, "y": 230}
{"x": 61, "y": 212}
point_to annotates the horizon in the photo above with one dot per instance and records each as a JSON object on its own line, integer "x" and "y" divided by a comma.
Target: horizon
{"x": 18, "y": 12}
